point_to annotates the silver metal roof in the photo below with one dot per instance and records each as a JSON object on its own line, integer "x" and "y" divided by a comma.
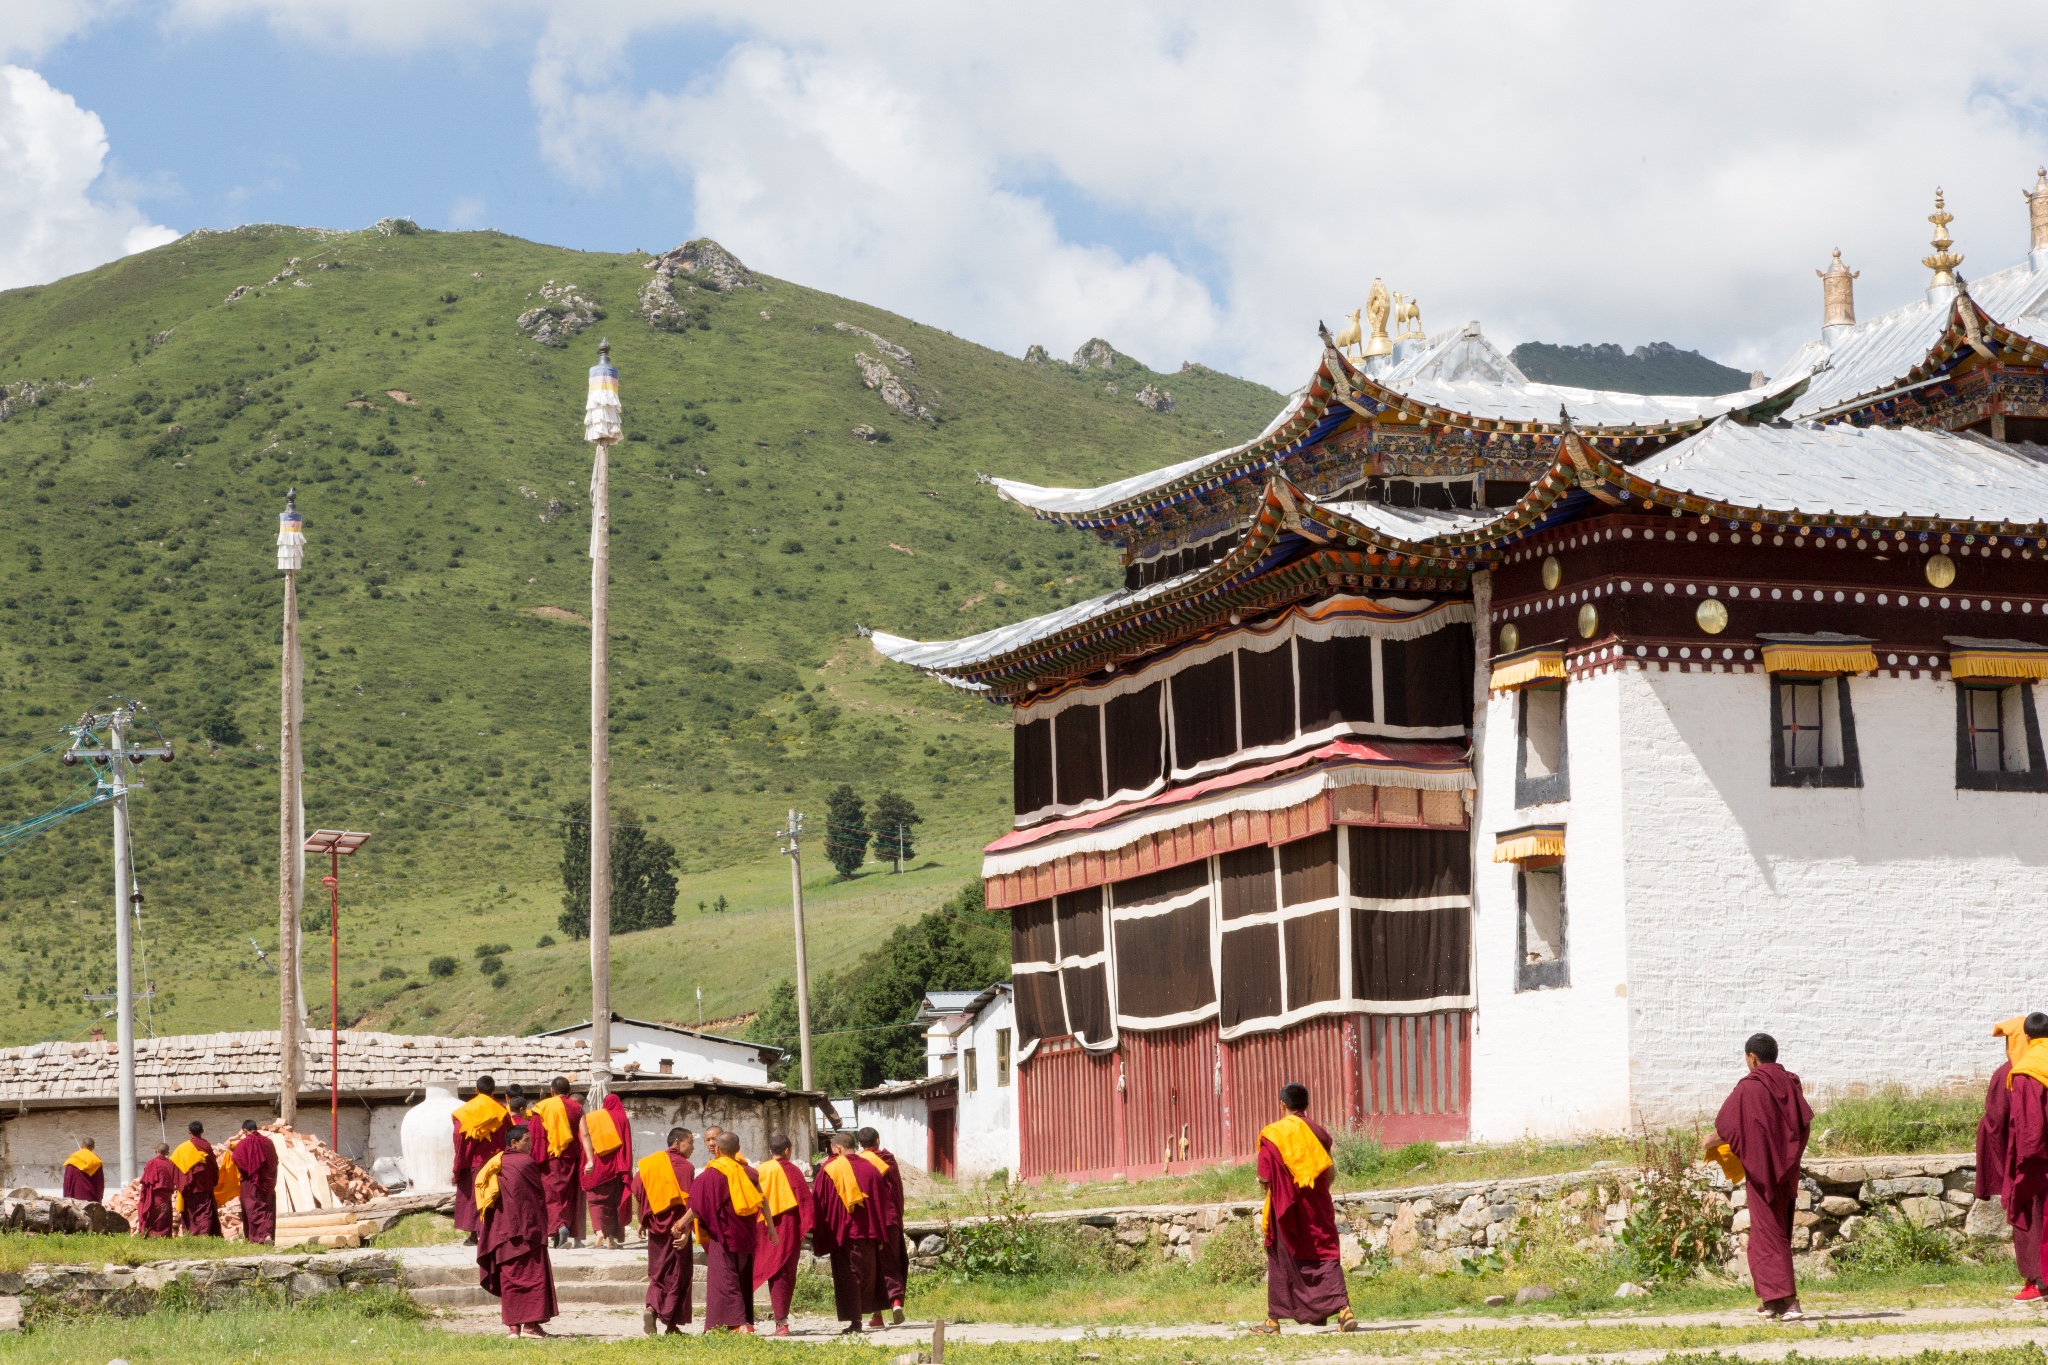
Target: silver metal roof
{"x": 1858, "y": 471}
{"x": 1001, "y": 640}
{"x": 1417, "y": 525}
{"x": 1588, "y": 407}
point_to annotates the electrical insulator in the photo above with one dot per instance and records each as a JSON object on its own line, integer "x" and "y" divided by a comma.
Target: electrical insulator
{"x": 167, "y": 753}
{"x": 70, "y": 759}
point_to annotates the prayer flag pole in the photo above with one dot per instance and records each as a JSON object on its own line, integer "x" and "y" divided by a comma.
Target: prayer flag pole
{"x": 601, "y": 427}
{"x": 291, "y": 857}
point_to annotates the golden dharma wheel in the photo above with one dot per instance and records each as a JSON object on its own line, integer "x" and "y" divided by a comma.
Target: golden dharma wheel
{"x": 1553, "y": 573}
{"x": 1589, "y": 620}
{"x": 1712, "y": 616}
{"x": 1941, "y": 570}
{"x": 1510, "y": 638}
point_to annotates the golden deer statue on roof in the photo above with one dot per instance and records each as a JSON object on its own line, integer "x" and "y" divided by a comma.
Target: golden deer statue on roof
{"x": 1351, "y": 337}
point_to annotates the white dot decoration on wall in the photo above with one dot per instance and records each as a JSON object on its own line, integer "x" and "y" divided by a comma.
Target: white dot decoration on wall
{"x": 1553, "y": 573}
{"x": 1941, "y": 570}
{"x": 1712, "y": 616}
{"x": 1510, "y": 638}
{"x": 1589, "y": 621}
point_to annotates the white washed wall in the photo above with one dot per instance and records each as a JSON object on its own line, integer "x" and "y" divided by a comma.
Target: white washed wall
{"x": 986, "y": 1137}
{"x": 1551, "y": 1063}
{"x": 903, "y": 1126}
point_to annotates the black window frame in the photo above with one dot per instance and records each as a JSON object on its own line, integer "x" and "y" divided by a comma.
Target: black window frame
{"x": 1542, "y": 976}
{"x": 1847, "y": 773}
{"x": 1541, "y": 791}
{"x": 1968, "y": 776}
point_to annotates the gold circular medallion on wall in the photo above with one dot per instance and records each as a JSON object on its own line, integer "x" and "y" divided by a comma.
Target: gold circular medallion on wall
{"x": 1712, "y": 616}
{"x": 1510, "y": 638}
{"x": 1941, "y": 570}
{"x": 1553, "y": 573}
{"x": 1589, "y": 620}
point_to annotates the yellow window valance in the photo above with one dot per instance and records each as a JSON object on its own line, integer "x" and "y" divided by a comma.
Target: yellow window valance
{"x": 1532, "y": 667}
{"x": 1531, "y": 843}
{"x": 1996, "y": 660}
{"x": 1825, "y": 652}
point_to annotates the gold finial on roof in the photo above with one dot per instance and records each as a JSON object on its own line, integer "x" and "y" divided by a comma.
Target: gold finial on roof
{"x": 2037, "y": 210}
{"x": 1377, "y": 306}
{"x": 1408, "y": 318}
{"x": 1943, "y": 262}
{"x": 1838, "y": 293}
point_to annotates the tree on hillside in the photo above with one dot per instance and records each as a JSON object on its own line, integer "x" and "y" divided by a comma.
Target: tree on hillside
{"x": 892, "y": 822}
{"x": 846, "y": 830}
{"x": 643, "y": 875}
{"x": 220, "y": 724}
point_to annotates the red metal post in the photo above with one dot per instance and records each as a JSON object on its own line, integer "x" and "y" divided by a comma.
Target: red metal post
{"x": 333, "y": 880}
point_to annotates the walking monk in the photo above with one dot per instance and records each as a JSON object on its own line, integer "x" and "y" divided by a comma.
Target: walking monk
{"x": 847, "y": 1227}
{"x": 512, "y": 1252}
{"x": 2012, "y": 1142}
{"x": 85, "y": 1177}
{"x": 607, "y": 1141}
{"x": 892, "y": 1253}
{"x": 1304, "y": 1266}
{"x": 479, "y": 1136}
{"x": 562, "y": 1162}
{"x": 255, "y": 1156}
{"x": 1765, "y": 1121}
{"x": 787, "y": 1206}
{"x": 661, "y": 1182}
{"x": 198, "y": 1173}
{"x": 159, "y": 1183}
{"x": 725, "y": 1206}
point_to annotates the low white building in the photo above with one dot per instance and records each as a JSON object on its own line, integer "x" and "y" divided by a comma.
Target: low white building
{"x": 916, "y": 1120}
{"x": 973, "y": 1036}
{"x": 644, "y": 1049}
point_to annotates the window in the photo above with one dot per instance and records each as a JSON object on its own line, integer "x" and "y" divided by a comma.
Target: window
{"x": 1540, "y": 938}
{"x": 1002, "y": 1056}
{"x": 1998, "y": 739}
{"x": 967, "y": 1070}
{"x": 1813, "y": 733}
{"x": 1540, "y": 771}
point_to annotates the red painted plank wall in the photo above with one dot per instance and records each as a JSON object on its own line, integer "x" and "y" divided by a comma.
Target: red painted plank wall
{"x": 1173, "y": 1111}
{"x": 1070, "y": 1110}
{"x": 1311, "y": 1053}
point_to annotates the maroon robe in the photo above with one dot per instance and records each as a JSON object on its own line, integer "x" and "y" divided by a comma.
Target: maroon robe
{"x": 728, "y": 1255}
{"x": 470, "y": 1156}
{"x": 1765, "y": 1121}
{"x": 604, "y": 1184}
{"x": 2026, "y": 1193}
{"x": 1998, "y": 1178}
{"x": 512, "y": 1252}
{"x": 90, "y": 1188}
{"x": 776, "y": 1265}
{"x": 201, "y": 1219}
{"x": 153, "y": 1212}
{"x": 256, "y": 1158}
{"x": 849, "y": 1236}
{"x": 671, "y": 1264}
{"x": 892, "y": 1252}
{"x": 1304, "y": 1272}
{"x": 561, "y": 1174}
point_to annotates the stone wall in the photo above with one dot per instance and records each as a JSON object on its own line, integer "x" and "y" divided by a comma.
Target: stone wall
{"x": 128, "y": 1290}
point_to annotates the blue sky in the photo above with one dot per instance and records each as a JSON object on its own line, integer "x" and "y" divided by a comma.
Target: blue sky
{"x": 1193, "y": 181}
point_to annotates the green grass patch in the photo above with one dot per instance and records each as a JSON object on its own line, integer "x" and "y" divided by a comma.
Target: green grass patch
{"x": 1895, "y": 1119}
{"x": 420, "y": 1230}
{"x": 19, "y": 1250}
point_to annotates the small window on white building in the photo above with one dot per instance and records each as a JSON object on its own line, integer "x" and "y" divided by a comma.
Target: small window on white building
{"x": 1002, "y": 1056}
{"x": 1998, "y": 739}
{"x": 1541, "y": 963}
{"x": 1540, "y": 771}
{"x": 1813, "y": 733}
{"x": 968, "y": 1079}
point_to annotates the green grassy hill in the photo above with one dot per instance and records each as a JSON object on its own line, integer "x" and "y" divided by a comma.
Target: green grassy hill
{"x": 151, "y": 427}
{"x": 1658, "y": 367}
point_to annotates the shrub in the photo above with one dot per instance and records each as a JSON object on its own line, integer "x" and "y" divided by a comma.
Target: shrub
{"x": 546, "y": 941}
{"x": 220, "y": 724}
{"x": 1359, "y": 1156}
{"x": 1006, "y": 1244}
{"x": 1233, "y": 1254}
{"x": 484, "y": 950}
{"x": 490, "y": 966}
{"x": 392, "y": 974}
{"x": 1675, "y": 1224}
{"x": 1892, "y": 1240}
{"x": 441, "y": 966}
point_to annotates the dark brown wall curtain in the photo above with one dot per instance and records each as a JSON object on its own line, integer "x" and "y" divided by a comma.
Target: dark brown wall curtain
{"x": 1336, "y": 680}
{"x": 1088, "y": 1002}
{"x": 1039, "y": 1013}
{"x": 1031, "y": 773}
{"x": 1312, "y": 959}
{"x": 1265, "y": 696}
{"x": 1079, "y": 755}
{"x": 1080, "y": 920}
{"x": 1248, "y": 886}
{"x": 1429, "y": 679}
{"x": 1409, "y": 864}
{"x": 1205, "y": 711}
{"x": 1163, "y": 963}
{"x": 1308, "y": 869}
{"x": 1136, "y": 739}
{"x": 1251, "y": 974}
{"x": 1411, "y": 954}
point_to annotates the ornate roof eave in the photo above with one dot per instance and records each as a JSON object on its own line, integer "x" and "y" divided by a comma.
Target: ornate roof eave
{"x": 1970, "y": 331}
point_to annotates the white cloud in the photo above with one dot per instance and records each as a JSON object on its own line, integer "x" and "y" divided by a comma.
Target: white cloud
{"x": 51, "y": 153}
{"x": 29, "y": 28}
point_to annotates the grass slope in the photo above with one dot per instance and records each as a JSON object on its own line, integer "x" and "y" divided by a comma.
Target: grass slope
{"x": 152, "y": 429}
{"x": 1658, "y": 367}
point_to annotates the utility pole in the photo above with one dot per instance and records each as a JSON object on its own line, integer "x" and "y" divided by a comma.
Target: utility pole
{"x": 291, "y": 856}
{"x": 119, "y": 759}
{"x": 794, "y": 853}
{"x": 602, "y": 428}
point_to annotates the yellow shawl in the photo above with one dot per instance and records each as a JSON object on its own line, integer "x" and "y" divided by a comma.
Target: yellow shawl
{"x": 875, "y": 1162}
{"x": 739, "y": 1186}
{"x": 1299, "y": 1147}
{"x": 840, "y": 1172}
{"x": 604, "y": 1134}
{"x": 2033, "y": 1061}
{"x": 86, "y": 1160}
{"x": 1731, "y": 1164}
{"x": 229, "y": 1185}
{"x": 658, "y": 1178}
{"x": 480, "y": 1117}
{"x": 554, "y": 1117}
{"x": 776, "y": 1195}
{"x": 186, "y": 1157}
{"x": 486, "y": 1186}
{"x": 2014, "y": 1031}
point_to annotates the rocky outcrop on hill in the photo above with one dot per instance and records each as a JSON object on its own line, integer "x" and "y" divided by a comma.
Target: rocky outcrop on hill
{"x": 563, "y": 312}
{"x": 882, "y": 344}
{"x": 1095, "y": 354}
{"x": 1035, "y": 354}
{"x": 699, "y": 264}
{"x": 1155, "y": 398}
{"x": 900, "y": 397}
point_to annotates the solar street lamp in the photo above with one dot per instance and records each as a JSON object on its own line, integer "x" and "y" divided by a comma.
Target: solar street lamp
{"x": 336, "y": 844}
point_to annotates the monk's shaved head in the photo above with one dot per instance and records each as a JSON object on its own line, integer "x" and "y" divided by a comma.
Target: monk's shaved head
{"x": 195, "y": 1128}
{"x": 1762, "y": 1046}
{"x": 778, "y": 1144}
{"x": 486, "y": 1086}
{"x": 163, "y": 1149}
{"x": 560, "y": 1085}
{"x": 248, "y": 1125}
{"x": 2036, "y": 1025}
{"x": 1294, "y": 1097}
{"x": 728, "y": 1144}
{"x": 676, "y": 1135}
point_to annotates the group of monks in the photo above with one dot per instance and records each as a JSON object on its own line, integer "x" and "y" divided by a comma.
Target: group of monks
{"x": 524, "y": 1172}
{"x": 185, "y": 1189}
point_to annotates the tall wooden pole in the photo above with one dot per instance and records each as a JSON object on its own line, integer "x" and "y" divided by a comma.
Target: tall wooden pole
{"x": 124, "y": 943}
{"x": 803, "y": 967}
{"x": 291, "y": 858}
{"x": 600, "y": 427}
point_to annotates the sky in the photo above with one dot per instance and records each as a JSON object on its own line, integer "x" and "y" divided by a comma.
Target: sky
{"x": 1192, "y": 180}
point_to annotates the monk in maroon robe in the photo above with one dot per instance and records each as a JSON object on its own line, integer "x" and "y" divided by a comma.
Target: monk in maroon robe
{"x": 2024, "y": 1112}
{"x": 661, "y": 1186}
{"x": 256, "y": 1158}
{"x": 479, "y": 1136}
{"x": 606, "y": 1171}
{"x": 1304, "y": 1266}
{"x": 892, "y": 1252}
{"x": 85, "y": 1176}
{"x": 560, "y": 1155}
{"x": 159, "y": 1182}
{"x": 725, "y": 1206}
{"x": 789, "y": 1209}
{"x": 512, "y": 1250}
{"x": 198, "y": 1173}
{"x": 1765, "y": 1121}
{"x": 846, "y": 1199}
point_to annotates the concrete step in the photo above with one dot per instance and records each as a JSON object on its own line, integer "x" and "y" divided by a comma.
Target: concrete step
{"x": 446, "y": 1276}
{"x": 618, "y": 1294}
